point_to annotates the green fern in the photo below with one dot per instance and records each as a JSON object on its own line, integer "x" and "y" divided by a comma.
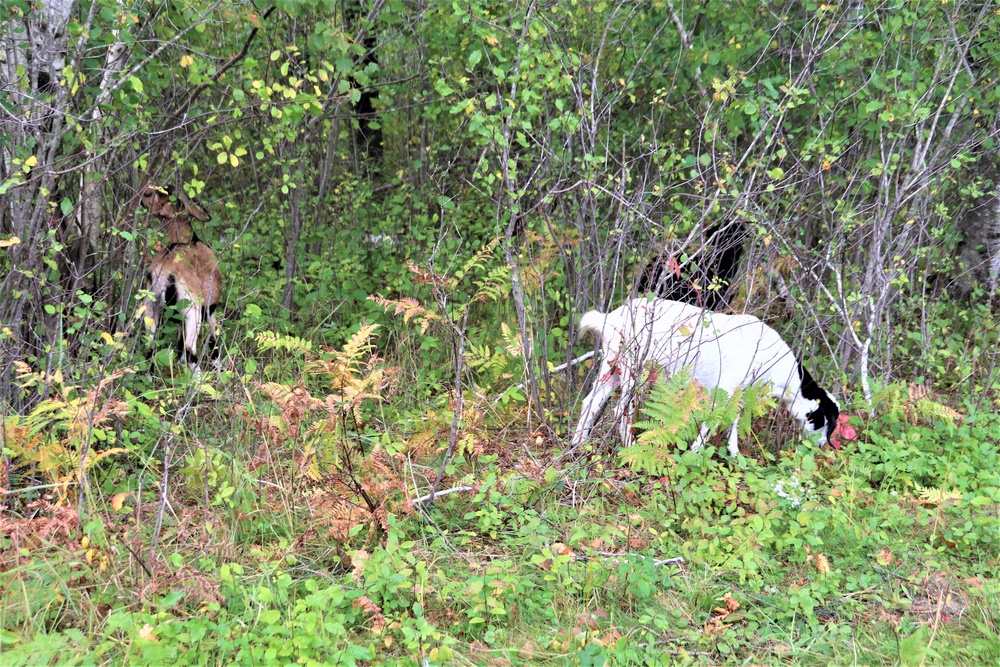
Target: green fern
{"x": 478, "y": 260}
{"x": 670, "y": 408}
{"x": 674, "y": 411}
{"x": 485, "y": 359}
{"x": 269, "y": 340}
{"x": 494, "y": 286}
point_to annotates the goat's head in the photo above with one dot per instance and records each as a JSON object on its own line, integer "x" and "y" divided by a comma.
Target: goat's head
{"x": 162, "y": 203}
{"x": 824, "y": 419}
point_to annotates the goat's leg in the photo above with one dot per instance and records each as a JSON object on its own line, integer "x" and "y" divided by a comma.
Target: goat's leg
{"x": 213, "y": 338}
{"x": 592, "y": 406}
{"x": 734, "y": 444}
{"x": 702, "y": 438}
{"x": 192, "y": 322}
{"x": 626, "y": 405}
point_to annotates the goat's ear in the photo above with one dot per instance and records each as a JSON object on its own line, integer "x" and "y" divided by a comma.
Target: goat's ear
{"x": 156, "y": 200}
{"x": 195, "y": 210}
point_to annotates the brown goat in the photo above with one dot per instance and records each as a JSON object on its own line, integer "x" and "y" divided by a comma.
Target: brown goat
{"x": 185, "y": 271}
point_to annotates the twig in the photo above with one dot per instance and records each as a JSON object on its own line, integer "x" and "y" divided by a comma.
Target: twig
{"x": 572, "y": 362}
{"x": 657, "y": 562}
{"x": 232, "y": 61}
{"x": 459, "y": 402}
{"x": 560, "y": 367}
{"x": 937, "y": 622}
{"x": 431, "y": 496}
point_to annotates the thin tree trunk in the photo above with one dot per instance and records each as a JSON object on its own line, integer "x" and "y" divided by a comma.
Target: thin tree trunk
{"x": 292, "y": 243}
{"x": 93, "y": 175}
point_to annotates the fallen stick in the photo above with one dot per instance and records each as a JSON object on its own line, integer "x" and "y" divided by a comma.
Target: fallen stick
{"x": 429, "y": 496}
{"x": 677, "y": 560}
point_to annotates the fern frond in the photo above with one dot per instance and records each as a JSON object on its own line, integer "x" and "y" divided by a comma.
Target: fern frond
{"x": 478, "y": 260}
{"x": 269, "y": 340}
{"x": 934, "y": 496}
{"x": 494, "y": 286}
{"x": 512, "y": 341}
{"x": 672, "y": 404}
{"x": 409, "y": 308}
{"x": 932, "y": 410}
{"x": 429, "y": 278}
{"x": 360, "y": 344}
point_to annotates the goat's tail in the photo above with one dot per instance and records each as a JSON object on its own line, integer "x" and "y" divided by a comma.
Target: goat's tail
{"x": 593, "y": 322}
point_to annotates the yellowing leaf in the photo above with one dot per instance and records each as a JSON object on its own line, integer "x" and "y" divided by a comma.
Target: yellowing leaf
{"x": 822, "y": 563}
{"x": 85, "y": 542}
{"x": 6, "y": 243}
{"x": 233, "y": 160}
{"x": 106, "y": 337}
{"x": 147, "y": 633}
{"x": 118, "y": 501}
{"x": 31, "y": 161}
{"x": 186, "y": 61}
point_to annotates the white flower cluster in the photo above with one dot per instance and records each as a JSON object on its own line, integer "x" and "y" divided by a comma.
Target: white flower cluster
{"x": 794, "y": 491}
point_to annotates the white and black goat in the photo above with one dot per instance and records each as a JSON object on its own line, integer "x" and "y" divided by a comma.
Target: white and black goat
{"x": 704, "y": 284}
{"x": 186, "y": 272}
{"x": 725, "y": 351}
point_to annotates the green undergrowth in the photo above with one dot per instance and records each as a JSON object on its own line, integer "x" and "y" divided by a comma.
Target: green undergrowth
{"x": 882, "y": 553}
{"x": 268, "y": 514}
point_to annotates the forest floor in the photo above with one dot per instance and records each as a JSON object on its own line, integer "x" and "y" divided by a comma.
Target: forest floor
{"x": 286, "y": 530}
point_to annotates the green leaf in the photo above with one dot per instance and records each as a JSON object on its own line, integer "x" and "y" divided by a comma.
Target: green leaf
{"x": 270, "y": 616}
{"x": 136, "y": 83}
{"x": 344, "y": 64}
{"x": 475, "y": 57}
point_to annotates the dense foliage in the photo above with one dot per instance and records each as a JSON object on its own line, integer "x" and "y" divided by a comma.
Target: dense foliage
{"x": 411, "y": 203}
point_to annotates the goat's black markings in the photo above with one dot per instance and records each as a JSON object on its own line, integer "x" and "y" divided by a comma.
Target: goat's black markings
{"x": 170, "y": 295}
{"x": 660, "y": 276}
{"x": 827, "y": 412}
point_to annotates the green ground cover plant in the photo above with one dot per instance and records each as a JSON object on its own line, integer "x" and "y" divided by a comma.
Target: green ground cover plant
{"x": 411, "y": 203}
